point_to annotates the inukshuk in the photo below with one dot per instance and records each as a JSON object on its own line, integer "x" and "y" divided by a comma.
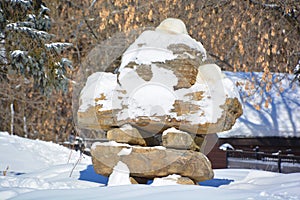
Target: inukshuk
{"x": 158, "y": 107}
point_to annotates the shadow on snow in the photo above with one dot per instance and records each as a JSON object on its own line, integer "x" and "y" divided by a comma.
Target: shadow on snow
{"x": 89, "y": 174}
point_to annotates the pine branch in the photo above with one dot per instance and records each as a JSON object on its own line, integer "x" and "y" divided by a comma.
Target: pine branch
{"x": 58, "y": 47}
{"x": 32, "y": 32}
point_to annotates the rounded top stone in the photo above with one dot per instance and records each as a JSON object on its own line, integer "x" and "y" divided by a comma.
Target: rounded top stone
{"x": 172, "y": 25}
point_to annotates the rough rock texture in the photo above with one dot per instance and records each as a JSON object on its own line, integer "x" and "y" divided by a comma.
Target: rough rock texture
{"x": 185, "y": 181}
{"x": 138, "y": 180}
{"x": 198, "y": 139}
{"x": 126, "y": 135}
{"x": 151, "y": 162}
{"x": 179, "y": 140}
{"x": 133, "y": 181}
{"x": 130, "y": 135}
{"x": 232, "y": 110}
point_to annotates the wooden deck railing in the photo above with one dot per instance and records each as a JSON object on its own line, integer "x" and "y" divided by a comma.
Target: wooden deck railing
{"x": 274, "y": 157}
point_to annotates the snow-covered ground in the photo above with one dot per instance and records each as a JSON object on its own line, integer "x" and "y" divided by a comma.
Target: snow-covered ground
{"x": 266, "y": 113}
{"x": 43, "y": 170}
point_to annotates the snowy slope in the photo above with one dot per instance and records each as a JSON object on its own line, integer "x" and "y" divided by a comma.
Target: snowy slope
{"x": 40, "y": 170}
{"x": 278, "y": 117}
{"x": 35, "y": 165}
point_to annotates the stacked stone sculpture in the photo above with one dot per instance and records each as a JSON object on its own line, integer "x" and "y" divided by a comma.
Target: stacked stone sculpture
{"x": 156, "y": 110}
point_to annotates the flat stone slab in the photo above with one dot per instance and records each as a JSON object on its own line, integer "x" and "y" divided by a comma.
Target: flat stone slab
{"x": 151, "y": 162}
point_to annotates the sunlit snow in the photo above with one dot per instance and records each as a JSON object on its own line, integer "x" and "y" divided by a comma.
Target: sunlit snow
{"x": 41, "y": 170}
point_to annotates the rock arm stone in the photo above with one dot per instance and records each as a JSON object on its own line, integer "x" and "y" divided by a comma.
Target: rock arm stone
{"x": 151, "y": 162}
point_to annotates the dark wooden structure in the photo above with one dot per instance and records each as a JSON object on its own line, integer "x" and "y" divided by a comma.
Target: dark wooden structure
{"x": 265, "y": 144}
{"x": 261, "y": 149}
{"x": 217, "y": 157}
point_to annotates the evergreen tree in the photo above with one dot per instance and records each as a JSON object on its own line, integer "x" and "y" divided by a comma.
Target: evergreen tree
{"x": 26, "y": 47}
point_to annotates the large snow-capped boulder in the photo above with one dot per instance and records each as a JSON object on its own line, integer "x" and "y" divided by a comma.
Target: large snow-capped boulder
{"x": 165, "y": 80}
{"x": 150, "y": 162}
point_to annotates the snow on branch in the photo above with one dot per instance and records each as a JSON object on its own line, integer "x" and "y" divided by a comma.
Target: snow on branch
{"x": 64, "y": 62}
{"x": 58, "y": 47}
{"x": 18, "y": 54}
{"x": 1, "y": 15}
{"x": 26, "y": 5}
{"x": 42, "y": 22}
{"x": 23, "y": 24}
{"x": 33, "y": 33}
{"x": 19, "y": 59}
{"x": 44, "y": 9}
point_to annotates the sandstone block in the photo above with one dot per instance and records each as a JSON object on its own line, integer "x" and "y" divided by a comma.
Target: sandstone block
{"x": 173, "y": 138}
{"x": 126, "y": 134}
{"x": 151, "y": 162}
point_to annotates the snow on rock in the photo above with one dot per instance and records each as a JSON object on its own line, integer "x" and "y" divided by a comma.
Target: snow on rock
{"x": 172, "y": 25}
{"x": 126, "y": 127}
{"x": 125, "y": 152}
{"x": 164, "y": 80}
{"x": 152, "y": 46}
{"x": 98, "y": 83}
{"x": 120, "y": 175}
{"x": 169, "y": 180}
{"x": 172, "y": 130}
{"x": 140, "y": 98}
